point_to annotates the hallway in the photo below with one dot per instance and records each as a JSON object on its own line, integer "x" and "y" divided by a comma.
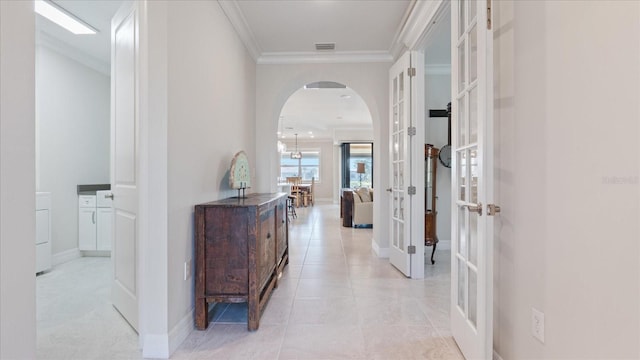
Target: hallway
{"x": 336, "y": 300}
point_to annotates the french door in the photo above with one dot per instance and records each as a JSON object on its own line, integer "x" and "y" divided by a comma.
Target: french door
{"x": 472, "y": 179}
{"x": 406, "y": 140}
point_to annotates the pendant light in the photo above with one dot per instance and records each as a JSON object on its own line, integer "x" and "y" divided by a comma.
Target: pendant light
{"x": 297, "y": 154}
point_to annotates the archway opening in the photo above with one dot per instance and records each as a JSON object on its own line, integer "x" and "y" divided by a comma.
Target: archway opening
{"x": 314, "y": 123}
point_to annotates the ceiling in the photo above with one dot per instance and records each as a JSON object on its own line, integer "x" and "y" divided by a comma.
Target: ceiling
{"x": 317, "y": 113}
{"x": 97, "y": 13}
{"x": 295, "y": 26}
{"x": 285, "y": 31}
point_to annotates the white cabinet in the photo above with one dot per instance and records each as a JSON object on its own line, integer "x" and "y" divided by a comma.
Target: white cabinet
{"x": 87, "y": 225}
{"x": 94, "y": 222}
{"x": 103, "y": 233}
{"x": 43, "y": 231}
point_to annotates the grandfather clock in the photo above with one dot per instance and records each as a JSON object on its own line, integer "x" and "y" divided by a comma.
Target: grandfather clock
{"x": 430, "y": 162}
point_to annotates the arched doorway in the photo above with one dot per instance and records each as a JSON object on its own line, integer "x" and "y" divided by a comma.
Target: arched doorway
{"x": 314, "y": 121}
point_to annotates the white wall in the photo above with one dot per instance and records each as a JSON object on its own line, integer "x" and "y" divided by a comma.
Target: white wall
{"x": 73, "y": 129}
{"x": 567, "y": 164}
{"x": 211, "y": 116}
{"x": 437, "y": 96}
{"x": 275, "y": 83}
{"x": 323, "y": 189}
{"x": 17, "y": 181}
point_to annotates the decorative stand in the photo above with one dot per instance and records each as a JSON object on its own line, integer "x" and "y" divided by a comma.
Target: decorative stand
{"x": 430, "y": 236}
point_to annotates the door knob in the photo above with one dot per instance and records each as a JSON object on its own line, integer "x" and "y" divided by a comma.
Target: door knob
{"x": 389, "y": 189}
{"x": 493, "y": 209}
{"x": 108, "y": 196}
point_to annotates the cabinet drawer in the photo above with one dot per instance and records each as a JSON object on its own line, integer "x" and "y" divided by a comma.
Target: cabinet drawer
{"x": 87, "y": 201}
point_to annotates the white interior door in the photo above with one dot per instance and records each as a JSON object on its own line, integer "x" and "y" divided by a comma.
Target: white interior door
{"x": 124, "y": 162}
{"x": 472, "y": 170}
{"x": 404, "y": 138}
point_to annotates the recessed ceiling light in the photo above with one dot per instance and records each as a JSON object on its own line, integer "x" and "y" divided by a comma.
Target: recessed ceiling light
{"x": 310, "y": 132}
{"x": 279, "y": 132}
{"x": 312, "y": 136}
{"x": 63, "y": 18}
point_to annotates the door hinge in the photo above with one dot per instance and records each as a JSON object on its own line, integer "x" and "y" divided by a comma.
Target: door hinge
{"x": 411, "y": 131}
{"x": 488, "y": 14}
{"x": 411, "y": 190}
{"x": 411, "y": 72}
{"x": 411, "y": 249}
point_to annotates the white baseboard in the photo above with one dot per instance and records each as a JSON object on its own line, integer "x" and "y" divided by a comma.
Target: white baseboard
{"x": 496, "y": 356}
{"x": 181, "y": 331}
{"x": 96, "y": 253}
{"x": 380, "y": 252}
{"x": 64, "y": 256}
{"x": 161, "y": 346}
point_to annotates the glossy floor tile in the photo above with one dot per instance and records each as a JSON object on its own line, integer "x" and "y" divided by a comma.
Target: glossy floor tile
{"x": 335, "y": 300}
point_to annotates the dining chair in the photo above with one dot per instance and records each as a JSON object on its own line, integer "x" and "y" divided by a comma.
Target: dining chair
{"x": 296, "y": 192}
{"x": 308, "y": 195}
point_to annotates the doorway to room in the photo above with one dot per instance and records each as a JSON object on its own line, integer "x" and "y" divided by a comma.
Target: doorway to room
{"x": 73, "y": 126}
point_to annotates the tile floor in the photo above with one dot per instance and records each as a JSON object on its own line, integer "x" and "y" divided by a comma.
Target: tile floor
{"x": 336, "y": 300}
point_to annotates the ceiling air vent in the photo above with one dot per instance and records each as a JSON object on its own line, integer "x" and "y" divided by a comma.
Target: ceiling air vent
{"x": 325, "y": 46}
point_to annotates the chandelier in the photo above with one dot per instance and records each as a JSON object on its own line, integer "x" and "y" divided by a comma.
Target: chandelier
{"x": 297, "y": 154}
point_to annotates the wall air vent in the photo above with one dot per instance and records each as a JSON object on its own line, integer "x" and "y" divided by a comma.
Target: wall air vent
{"x": 325, "y": 46}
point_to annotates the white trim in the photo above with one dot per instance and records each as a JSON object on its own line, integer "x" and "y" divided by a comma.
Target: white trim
{"x": 416, "y": 26}
{"x": 181, "y": 331}
{"x": 438, "y": 69}
{"x": 496, "y": 356}
{"x": 45, "y": 40}
{"x": 380, "y": 252}
{"x": 156, "y": 346}
{"x": 397, "y": 46}
{"x": 239, "y": 23}
{"x": 95, "y": 253}
{"x": 65, "y": 256}
{"x": 312, "y": 57}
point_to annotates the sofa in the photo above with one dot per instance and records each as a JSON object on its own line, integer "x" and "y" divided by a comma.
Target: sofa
{"x": 363, "y": 206}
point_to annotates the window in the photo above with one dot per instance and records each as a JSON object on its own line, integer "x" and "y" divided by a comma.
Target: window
{"x": 352, "y": 154}
{"x": 308, "y": 167}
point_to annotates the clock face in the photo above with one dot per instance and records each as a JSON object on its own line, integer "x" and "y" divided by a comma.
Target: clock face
{"x": 445, "y": 156}
{"x": 240, "y": 175}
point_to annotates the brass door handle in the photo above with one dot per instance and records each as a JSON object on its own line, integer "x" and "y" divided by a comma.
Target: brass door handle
{"x": 493, "y": 209}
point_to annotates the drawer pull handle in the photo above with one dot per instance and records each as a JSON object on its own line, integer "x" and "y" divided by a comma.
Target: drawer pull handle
{"x": 268, "y": 235}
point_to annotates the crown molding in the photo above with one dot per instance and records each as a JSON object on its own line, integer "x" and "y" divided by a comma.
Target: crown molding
{"x": 438, "y": 69}
{"x": 414, "y": 28}
{"x": 45, "y": 40}
{"x": 397, "y": 46}
{"x": 324, "y": 58}
{"x": 232, "y": 10}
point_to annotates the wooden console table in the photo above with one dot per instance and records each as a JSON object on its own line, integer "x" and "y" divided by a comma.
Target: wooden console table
{"x": 241, "y": 249}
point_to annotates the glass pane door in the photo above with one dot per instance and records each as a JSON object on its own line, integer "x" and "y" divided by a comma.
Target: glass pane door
{"x": 471, "y": 253}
